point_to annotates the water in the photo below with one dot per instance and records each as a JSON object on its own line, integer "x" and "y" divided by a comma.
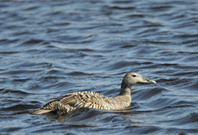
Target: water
{"x": 48, "y": 49}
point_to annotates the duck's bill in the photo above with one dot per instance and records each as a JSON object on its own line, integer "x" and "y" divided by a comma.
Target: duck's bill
{"x": 151, "y": 81}
{"x": 145, "y": 80}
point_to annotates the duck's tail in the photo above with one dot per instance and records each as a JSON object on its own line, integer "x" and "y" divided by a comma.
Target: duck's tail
{"x": 40, "y": 111}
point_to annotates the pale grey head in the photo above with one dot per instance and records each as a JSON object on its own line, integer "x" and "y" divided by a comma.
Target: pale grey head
{"x": 131, "y": 79}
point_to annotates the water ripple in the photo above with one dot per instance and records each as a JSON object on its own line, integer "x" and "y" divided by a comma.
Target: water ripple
{"x": 48, "y": 49}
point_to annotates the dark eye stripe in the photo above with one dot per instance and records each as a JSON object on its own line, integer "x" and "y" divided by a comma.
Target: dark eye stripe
{"x": 134, "y": 75}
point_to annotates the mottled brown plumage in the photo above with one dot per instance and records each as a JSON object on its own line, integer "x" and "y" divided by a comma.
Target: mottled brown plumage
{"x": 85, "y": 99}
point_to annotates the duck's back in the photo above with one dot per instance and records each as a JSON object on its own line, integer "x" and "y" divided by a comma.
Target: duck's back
{"x": 83, "y": 99}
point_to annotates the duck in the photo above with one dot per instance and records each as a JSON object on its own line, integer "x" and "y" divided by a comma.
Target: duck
{"x": 71, "y": 102}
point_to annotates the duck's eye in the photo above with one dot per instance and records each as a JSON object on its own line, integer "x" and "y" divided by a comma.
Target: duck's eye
{"x": 134, "y": 75}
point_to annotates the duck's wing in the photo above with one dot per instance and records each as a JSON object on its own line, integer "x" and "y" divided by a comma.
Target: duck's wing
{"x": 84, "y": 99}
{"x": 72, "y": 101}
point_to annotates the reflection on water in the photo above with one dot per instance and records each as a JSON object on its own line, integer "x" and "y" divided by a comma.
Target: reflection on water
{"x": 48, "y": 49}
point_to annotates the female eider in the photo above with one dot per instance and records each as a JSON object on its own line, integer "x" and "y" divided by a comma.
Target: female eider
{"x": 85, "y": 99}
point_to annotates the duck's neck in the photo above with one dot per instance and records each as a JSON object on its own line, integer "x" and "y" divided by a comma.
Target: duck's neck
{"x": 125, "y": 91}
{"x": 125, "y": 88}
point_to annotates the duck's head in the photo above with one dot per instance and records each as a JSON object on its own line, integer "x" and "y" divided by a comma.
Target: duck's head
{"x": 133, "y": 78}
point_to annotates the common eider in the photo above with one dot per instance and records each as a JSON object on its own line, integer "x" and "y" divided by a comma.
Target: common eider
{"x": 85, "y": 99}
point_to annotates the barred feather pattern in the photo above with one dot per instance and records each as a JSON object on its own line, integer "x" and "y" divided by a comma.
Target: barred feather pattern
{"x": 84, "y": 99}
